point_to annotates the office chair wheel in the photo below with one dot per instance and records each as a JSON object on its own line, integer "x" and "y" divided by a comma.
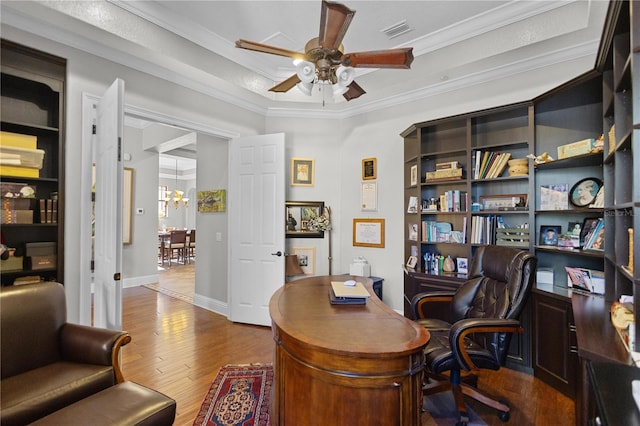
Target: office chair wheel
{"x": 464, "y": 419}
{"x": 504, "y": 415}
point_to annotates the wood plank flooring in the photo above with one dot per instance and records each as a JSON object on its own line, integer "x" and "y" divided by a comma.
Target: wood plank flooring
{"x": 177, "y": 348}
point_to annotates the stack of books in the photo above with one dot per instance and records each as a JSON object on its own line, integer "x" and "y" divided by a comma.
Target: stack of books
{"x": 341, "y": 294}
{"x": 489, "y": 165}
{"x": 451, "y": 170}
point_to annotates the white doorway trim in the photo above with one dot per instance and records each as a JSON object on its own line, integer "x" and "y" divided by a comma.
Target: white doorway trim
{"x": 88, "y": 100}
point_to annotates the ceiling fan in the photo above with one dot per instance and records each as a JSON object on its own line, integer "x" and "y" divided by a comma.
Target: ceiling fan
{"x": 324, "y": 61}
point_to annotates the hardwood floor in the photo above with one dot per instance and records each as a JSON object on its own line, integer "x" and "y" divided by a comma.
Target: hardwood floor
{"x": 177, "y": 348}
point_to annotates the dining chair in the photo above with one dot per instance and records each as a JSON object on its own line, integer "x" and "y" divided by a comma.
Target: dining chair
{"x": 191, "y": 245}
{"x": 177, "y": 244}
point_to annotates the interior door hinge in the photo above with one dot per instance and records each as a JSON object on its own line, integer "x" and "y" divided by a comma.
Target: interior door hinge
{"x": 117, "y": 276}
{"x": 94, "y": 129}
{"x": 119, "y": 148}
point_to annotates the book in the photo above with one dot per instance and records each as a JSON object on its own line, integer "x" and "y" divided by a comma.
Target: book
{"x": 344, "y": 293}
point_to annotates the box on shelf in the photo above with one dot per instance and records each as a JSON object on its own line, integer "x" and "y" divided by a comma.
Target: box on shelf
{"x": 514, "y": 237}
{"x": 19, "y": 155}
{"x": 544, "y": 276}
{"x": 17, "y": 190}
{"x": 36, "y": 263}
{"x": 16, "y": 216}
{"x": 576, "y": 148}
{"x": 13, "y": 263}
{"x": 444, "y": 174}
{"x": 43, "y": 248}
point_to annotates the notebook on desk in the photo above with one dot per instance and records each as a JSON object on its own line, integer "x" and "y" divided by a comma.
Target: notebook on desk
{"x": 340, "y": 294}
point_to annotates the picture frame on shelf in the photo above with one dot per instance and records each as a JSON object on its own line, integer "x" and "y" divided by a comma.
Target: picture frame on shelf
{"x": 462, "y": 264}
{"x": 584, "y": 192}
{"x": 414, "y": 175}
{"x": 589, "y": 226}
{"x": 549, "y": 235}
{"x": 503, "y": 201}
{"x": 412, "y": 261}
{"x": 297, "y": 217}
{"x": 554, "y": 197}
{"x": 302, "y": 171}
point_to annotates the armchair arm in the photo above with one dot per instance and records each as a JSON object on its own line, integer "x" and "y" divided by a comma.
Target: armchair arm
{"x": 464, "y": 327}
{"x": 419, "y": 301}
{"x": 93, "y": 345}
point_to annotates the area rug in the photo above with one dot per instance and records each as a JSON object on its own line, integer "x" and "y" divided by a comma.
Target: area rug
{"x": 171, "y": 293}
{"x": 442, "y": 408}
{"x": 239, "y": 396}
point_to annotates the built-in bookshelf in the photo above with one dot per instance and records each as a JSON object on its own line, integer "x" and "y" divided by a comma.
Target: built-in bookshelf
{"x": 32, "y": 103}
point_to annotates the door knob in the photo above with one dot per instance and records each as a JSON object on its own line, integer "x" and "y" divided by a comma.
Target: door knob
{"x": 278, "y": 253}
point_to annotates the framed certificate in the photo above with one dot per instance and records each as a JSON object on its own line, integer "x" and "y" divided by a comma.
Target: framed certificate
{"x": 369, "y": 168}
{"x": 368, "y": 232}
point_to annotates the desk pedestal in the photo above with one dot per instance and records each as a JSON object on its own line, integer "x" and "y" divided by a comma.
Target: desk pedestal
{"x": 358, "y": 364}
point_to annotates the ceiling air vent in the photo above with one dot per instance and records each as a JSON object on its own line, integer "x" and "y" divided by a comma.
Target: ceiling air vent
{"x": 396, "y": 30}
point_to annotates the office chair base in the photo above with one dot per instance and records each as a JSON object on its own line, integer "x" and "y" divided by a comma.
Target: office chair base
{"x": 436, "y": 383}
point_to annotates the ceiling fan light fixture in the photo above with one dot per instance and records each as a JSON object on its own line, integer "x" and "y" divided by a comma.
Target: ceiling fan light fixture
{"x": 345, "y": 75}
{"x": 306, "y": 71}
{"x": 339, "y": 89}
{"x": 305, "y": 87}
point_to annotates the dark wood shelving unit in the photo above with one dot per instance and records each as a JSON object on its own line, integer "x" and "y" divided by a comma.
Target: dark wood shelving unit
{"x": 33, "y": 103}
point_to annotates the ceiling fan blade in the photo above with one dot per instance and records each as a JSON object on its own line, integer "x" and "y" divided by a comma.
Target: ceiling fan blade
{"x": 335, "y": 19}
{"x": 286, "y": 85}
{"x": 354, "y": 91}
{"x": 265, "y": 48}
{"x": 390, "y": 58}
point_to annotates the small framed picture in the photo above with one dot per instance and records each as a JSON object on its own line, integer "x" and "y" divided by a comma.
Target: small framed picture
{"x": 414, "y": 175}
{"x": 412, "y": 262}
{"x": 584, "y": 192}
{"x": 369, "y": 166}
{"x": 549, "y": 235}
{"x": 589, "y": 226}
{"x": 463, "y": 265}
{"x": 302, "y": 171}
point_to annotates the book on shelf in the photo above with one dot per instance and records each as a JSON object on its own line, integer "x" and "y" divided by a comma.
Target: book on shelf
{"x": 554, "y": 197}
{"x": 448, "y": 165}
{"x": 489, "y": 164}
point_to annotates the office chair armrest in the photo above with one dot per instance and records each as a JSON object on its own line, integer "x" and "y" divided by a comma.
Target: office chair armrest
{"x": 420, "y": 300}
{"x": 464, "y": 327}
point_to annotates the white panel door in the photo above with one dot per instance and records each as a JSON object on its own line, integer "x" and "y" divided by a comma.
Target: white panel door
{"x": 256, "y": 226}
{"x": 108, "y": 208}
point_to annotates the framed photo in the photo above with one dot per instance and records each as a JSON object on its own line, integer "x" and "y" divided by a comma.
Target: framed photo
{"x": 506, "y": 201}
{"x": 414, "y": 175}
{"x": 302, "y": 171}
{"x": 127, "y": 204}
{"x": 212, "y": 201}
{"x": 412, "y": 262}
{"x": 463, "y": 265}
{"x": 584, "y": 192}
{"x": 369, "y": 197}
{"x": 549, "y": 235}
{"x": 589, "y": 227}
{"x": 297, "y": 217}
{"x": 368, "y": 233}
{"x": 369, "y": 168}
{"x": 306, "y": 258}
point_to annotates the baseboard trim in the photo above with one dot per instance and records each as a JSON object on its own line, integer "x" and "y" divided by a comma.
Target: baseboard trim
{"x": 140, "y": 281}
{"x": 213, "y": 305}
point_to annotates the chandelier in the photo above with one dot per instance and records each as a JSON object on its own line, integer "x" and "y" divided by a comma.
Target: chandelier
{"x": 176, "y": 197}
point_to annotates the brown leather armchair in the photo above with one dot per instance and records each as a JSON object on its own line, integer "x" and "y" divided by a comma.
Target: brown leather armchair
{"x": 484, "y": 314}
{"x": 46, "y": 362}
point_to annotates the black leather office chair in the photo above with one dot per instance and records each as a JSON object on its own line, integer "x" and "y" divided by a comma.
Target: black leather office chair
{"x": 484, "y": 313}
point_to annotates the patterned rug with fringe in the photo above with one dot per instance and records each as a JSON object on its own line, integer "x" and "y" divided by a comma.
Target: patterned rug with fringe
{"x": 239, "y": 396}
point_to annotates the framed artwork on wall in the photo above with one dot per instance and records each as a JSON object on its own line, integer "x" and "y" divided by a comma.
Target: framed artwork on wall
{"x": 298, "y": 214}
{"x": 306, "y": 259}
{"x": 368, "y": 232}
{"x": 302, "y": 171}
{"x": 369, "y": 168}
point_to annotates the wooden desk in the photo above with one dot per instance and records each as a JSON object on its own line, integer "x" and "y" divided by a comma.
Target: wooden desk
{"x": 350, "y": 365}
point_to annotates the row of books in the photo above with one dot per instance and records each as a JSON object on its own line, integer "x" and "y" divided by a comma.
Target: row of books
{"x": 454, "y": 201}
{"x": 442, "y": 232}
{"x": 484, "y": 230}
{"x": 489, "y": 164}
